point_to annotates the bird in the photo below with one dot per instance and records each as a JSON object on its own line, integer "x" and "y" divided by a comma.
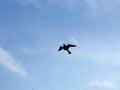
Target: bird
{"x": 66, "y": 47}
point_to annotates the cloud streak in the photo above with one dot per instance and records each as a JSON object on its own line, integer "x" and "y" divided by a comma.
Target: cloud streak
{"x": 70, "y": 4}
{"x": 30, "y": 1}
{"x": 90, "y": 6}
{"x": 9, "y": 62}
{"x": 100, "y": 55}
{"x": 102, "y": 84}
{"x": 74, "y": 41}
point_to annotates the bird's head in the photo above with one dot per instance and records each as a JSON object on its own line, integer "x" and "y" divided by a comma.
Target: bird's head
{"x": 63, "y": 44}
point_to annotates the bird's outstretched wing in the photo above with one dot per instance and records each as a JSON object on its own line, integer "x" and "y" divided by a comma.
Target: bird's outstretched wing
{"x": 60, "y": 48}
{"x": 71, "y": 45}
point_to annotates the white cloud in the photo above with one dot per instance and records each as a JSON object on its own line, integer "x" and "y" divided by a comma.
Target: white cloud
{"x": 103, "y": 5}
{"x": 102, "y": 84}
{"x": 99, "y": 50}
{"x": 89, "y": 4}
{"x": 92, "y": 5}
{"x": 100, "y": 54}
{"x": 74, "y": 41}
{"x": 71, "y": 4}
{"x": 9, "y": 62}
{"x": 35, "y": 3}
{"x": 30, "y": 1}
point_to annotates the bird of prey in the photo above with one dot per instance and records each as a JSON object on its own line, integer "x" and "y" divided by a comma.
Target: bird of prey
{"x": 66, "y": 47}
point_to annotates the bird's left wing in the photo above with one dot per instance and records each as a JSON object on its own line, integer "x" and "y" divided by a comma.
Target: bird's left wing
{"x": 60, "y": 48}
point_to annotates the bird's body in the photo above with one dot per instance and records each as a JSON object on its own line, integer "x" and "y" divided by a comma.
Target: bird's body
{"x": 66, "y": 47}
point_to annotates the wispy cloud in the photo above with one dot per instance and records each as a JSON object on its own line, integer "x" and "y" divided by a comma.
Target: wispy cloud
{"x": 70, "y": 4}
{"x": 87, "y": 5}
{"x": 100, "y": 54}
{"x": 101, "y": 84}
{"x": 30, "y": 1}
{"x": 9, "y": 62}
{"x": 94, "y": 5}
{"x": 74, "y": 41}
{"x": 35, "y": 3}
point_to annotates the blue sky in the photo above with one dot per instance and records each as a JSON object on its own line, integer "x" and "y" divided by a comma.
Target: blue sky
{"x": 32, "y": 30}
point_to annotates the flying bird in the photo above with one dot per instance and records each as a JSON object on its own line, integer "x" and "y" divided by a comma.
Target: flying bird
{"x": 66, "y": 47}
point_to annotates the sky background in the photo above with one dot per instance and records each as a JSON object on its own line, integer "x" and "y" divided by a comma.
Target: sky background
{"x": 32, "y": 30}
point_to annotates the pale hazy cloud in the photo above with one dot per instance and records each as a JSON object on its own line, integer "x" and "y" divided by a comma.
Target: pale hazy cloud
{"x": 35, "y": 3}
{"x": 91, "y": 5}
{"x": 102, "y": 84}
{"x": 100, "y": 55}
{"x": 30, "y": 1}
{"x": 94, "y": 5}
{"x": 70, "y": 4}
{"x": 74, "y": 41}
{"x": 7, "y": 61}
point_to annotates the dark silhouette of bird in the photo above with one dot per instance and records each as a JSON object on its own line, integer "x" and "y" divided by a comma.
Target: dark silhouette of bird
{"x": 66, "y": 47}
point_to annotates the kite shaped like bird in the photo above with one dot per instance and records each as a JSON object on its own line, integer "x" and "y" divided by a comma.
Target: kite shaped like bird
{"x": 66, "y": 47}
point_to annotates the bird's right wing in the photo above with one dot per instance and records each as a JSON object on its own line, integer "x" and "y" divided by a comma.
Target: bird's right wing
{"x": 71, "y": 45}
{"x": 60, "y": 48}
